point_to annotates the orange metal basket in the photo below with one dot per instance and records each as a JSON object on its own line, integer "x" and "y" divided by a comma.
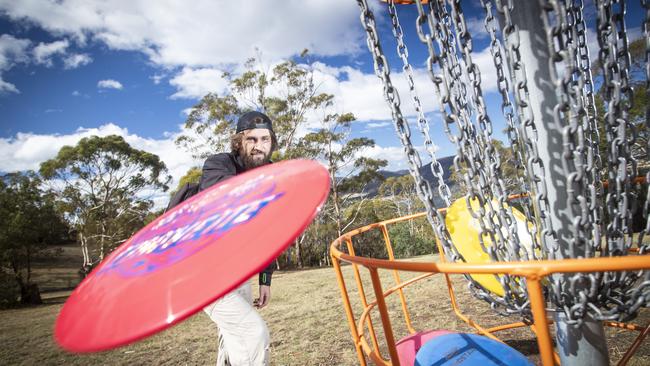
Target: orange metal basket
{"x": 533, "y": 271}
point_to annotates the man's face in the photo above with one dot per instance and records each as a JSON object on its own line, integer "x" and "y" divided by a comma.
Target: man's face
{"x": 256, "y": 147}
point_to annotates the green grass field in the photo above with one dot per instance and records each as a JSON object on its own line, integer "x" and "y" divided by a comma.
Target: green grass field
{"x": 305, "y": 317}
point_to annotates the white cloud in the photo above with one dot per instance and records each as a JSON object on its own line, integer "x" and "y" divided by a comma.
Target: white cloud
{"x": 394, "y": 156}
{"x": 378, "y": 124}
{"x": 77, "y": 93}
{"x": 157, "y": 78}
{"x": 109, "y": 84}
{"x": 43, "y": 52}
{"x": 6, "y": 87}
{"x": 12, "y": 51}
{"x": 483, "y": 59}
{"x": 27, "y": 150}
{"x": 76, "y": 60}
{"x": 476, "y": 28}
{"x": 362, "y": 93}
{"x": 172, "y": 33}
{"x": 195, "y": 83}
{"x": 200, "y": 39}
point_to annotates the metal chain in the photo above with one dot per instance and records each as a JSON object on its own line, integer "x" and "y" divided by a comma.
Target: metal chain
{"x": 528, "y": 131}
{"x": 466, "y": 139}
{"x": 572, "y": 293}
{"x": 498, "y": 214}
{"x": 512, "y": 131}
{"x": 592, "y": 135}
{"x": 620, "y": 134}
{"x": 450, "y": 101}
{"x": 644, "y": 248}
{"x": 423, "y": 123}
{"x": 391, "y": 95}
{"x": 615, "y": 63}
{"x": 528, "y": 134}
{"x": 640, "y": 294}
{"x": 469, "y": 144}
{"x": 443, "y": 72}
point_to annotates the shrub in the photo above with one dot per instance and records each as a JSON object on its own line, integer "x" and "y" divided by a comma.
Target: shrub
{"x": 9, "y": 291}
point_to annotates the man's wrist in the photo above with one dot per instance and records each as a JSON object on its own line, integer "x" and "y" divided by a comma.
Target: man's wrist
{"x": 265, "y": 279}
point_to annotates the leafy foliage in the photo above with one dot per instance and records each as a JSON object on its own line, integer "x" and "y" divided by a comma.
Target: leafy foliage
{"x": 102, "y": 183}
{"x": 349, "y": 173}
{"x": 213, "y": 119}
{"x": 193, "y": 175}
{"x": 407, "y": 244}
{"x": 510, "y": 172}
{"x": 29, "y": 222}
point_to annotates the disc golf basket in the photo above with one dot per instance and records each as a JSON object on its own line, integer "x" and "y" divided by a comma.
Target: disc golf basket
{"x": 564, "y": 251}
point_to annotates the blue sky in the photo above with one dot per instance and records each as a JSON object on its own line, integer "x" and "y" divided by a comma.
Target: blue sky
{"x": 73, "y": 68}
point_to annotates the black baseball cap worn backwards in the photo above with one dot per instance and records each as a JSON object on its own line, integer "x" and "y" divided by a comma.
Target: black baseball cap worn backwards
{"x": 252, "y": 120}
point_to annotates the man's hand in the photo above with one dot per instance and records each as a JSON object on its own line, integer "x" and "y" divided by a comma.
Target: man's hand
{"x": 265, "y": 297}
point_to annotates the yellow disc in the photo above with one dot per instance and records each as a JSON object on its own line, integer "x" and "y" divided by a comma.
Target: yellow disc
{"x": 464, "y": 231}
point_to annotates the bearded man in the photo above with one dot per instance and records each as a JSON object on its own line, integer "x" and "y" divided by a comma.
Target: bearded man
{"x": 243, "y": 334}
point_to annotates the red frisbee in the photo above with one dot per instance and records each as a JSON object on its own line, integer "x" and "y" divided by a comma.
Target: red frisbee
{"x": 192, "y": 255}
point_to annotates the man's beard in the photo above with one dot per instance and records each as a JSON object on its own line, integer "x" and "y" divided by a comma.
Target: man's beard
{"x": 251, "y": 162}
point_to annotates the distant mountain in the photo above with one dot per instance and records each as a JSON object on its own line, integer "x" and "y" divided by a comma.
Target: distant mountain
{"x": 447, "y": 162}
{"x": 425, "y": 171}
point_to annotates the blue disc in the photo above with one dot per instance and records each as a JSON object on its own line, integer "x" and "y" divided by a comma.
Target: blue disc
{"x": 468, "y": 349}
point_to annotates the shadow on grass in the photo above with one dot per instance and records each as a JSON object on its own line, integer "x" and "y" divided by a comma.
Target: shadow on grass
{"x": 527, "y": 347}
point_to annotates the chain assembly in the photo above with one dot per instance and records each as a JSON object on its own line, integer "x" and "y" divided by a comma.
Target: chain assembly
{"x": 601, "y": 214}
{"x": 423, "y": 122}
{"x": 402, "y": 128}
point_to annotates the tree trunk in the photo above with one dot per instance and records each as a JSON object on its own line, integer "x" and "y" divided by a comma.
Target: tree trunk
{"x": 337, "y": 211}
{"x": 298, "y": 254}
{"x": 29, "y": 265}
{"x": 411, "y": 223}
{"x": 102, "y": 242}
{"x": 30, "y": 294}
{"x": 84, "y": 250}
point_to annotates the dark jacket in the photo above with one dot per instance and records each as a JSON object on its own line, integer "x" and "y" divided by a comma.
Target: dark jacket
{"x": 220, "y": 167}
{"x": 184, "y": 193}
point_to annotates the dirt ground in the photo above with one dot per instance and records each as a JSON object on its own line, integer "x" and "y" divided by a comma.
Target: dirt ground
{"x": 306, "y": 320}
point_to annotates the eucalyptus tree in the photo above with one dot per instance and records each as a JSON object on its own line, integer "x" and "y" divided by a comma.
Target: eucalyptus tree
{"x": 401, "y": 193}
{"x": 511, "y": 171}
{"x": 350, "y": 172}
{"x": 287, "y": 93}
{"x": 105, "y": 186}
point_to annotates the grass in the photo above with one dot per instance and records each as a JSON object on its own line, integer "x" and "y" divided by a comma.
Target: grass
{"x": 305, "y": 317}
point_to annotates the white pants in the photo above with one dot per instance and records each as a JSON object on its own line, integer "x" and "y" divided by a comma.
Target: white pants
{"x": 243, "y": 335}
